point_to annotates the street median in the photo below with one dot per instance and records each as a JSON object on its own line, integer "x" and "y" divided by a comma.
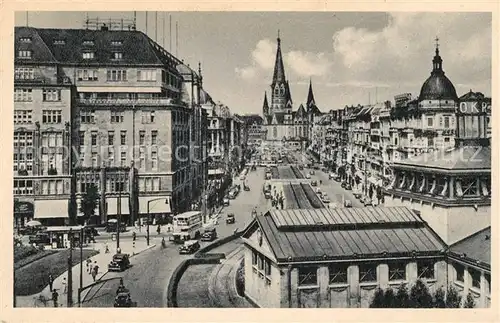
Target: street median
{"x": 202, "y": 257}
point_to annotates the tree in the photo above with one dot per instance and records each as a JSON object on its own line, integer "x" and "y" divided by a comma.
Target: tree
{"x": 389, "y": 298}
{"x": 378, "y": 299}
{"x": 439, "y": 298}
{"x": 402, "y": 297}
{"x": 89, "y": 202}
{"x": 420, "y": 296}
{"x": 452, "y": 298}
{"x": 469, "y": 301}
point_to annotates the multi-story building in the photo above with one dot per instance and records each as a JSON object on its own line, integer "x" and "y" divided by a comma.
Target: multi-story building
{"x": 253, "y": 128}
{"x": 111, "y": 117}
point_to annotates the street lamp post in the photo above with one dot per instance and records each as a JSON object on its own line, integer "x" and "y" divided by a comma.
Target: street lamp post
{"x": 70, "y": 271}
{"x": 81, "y": 267}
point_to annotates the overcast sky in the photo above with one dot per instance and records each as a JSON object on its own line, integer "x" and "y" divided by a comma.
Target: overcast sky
{"x": 349, "y": 56}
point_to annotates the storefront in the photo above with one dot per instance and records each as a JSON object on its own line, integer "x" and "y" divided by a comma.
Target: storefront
{"x": 23, "y": 212}
{"x": 51, "y": 212}
{"x": 160, "y": 208}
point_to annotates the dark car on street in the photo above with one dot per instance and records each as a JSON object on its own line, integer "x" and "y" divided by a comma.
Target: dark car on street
{"x": 123, "y": 299}
{"x": 314, "y": 183}
{"x": 40, "y": 238}
{"x": 120, "y": 262}
{"x": 189, "y": 247}
{"x": 209, "y": 234}
{"x": 230, "y": 218}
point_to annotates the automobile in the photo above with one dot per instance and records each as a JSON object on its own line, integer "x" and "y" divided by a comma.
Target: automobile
{"x": 225, "y": 201}
{"x": 120, "y": 262}
{"x": 311, "y": 172}
{"x": 331, "y": 176}
{"x": 267, "y": 194}
{"x": 318, "y": 190}
{"x": 367, "y": 201}
{"x": 253, "y": 168}
{"x": 348, "y": 187}
{"x": 269, "y": 175}
{"x": 40, "y": 238}
{"x": 314, "y": 183}
{"x": 209, "y": 234}
{"x": 325, "y": 199}
{"x": 254, "y": 213}
{"x": 123, "y": 299}
{"x": 246, "y": 188}
{"x": 242, "y": 177}
{"x": 189, "y": 247}
{"x": 316, "y": 167}
{"x": 230, "y": 218}
{"x": 301, "y": 167}
{"x": 337, "y": 179}
{"x": 308, "y": 176}
{"x": 232, "y": 194}
{"x": 347, "y": 203}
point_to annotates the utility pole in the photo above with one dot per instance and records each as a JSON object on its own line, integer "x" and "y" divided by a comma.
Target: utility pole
{"x": 147, "y": 228}
{"x": 70, "y": 271}
{"x": 81, "y": 267}
{"x": 118, "y": 227}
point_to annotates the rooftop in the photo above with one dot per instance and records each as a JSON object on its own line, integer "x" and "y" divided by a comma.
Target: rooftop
{"x": 476, "y": 247}
{"x": 344, "y": 233}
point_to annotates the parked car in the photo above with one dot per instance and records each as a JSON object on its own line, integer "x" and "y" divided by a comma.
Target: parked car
{"x": 325, "y": 199}
{"x": 367, "y": 201}
{"x": 301, "y": 167}
{"x": 311, "y": 172}
{"x": 267, "y": 194}
{"x": 230, "y": 218}
{"x": 40, "y": 238}
{"x": 189, "y": 246}
{"x": 318, "y": 190}
{"x": 347, "y": 203}
{"x": 246, "y": 188}
{"x": 120, "y": 262}
{"x": 314, "y": 183}
{"x": 331, "y": 176}
{"x": 308, "y": 176}
{"x": 337, "y": 179}
{"x": 209, "y": 234}
{"x": 123, "y": 299}
{"x": 225, "y": 201}
{"x": 348, "y": 187}
{"x": 242, "y": 177}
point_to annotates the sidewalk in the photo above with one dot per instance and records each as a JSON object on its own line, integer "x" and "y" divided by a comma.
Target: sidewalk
{"x": 102, "y": 259}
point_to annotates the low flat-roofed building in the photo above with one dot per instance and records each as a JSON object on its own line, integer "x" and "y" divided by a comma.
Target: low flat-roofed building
{"x": 338, "y": 257}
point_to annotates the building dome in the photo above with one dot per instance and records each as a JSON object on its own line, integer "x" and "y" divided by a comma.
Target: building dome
{"x": 437, "y": 86}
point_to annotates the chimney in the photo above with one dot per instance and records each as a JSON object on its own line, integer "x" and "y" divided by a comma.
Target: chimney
{"x": 104, "y": 27}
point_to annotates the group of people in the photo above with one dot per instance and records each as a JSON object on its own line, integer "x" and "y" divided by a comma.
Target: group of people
{"x": 92, "y": 268}
{"x": 277, "y": 199}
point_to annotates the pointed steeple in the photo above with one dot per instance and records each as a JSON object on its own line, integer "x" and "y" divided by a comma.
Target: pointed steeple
{"x": 310, "y": 96}
{"x": 279, "y": 70}
{"x": 265, "y": 106}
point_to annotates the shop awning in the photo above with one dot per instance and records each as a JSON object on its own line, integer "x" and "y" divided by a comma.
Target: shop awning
{"x": 215, "y": 172}
{"x": 113, "y": 206}
{"x": 47, "y": 209}
{"x": 157, "y": 206}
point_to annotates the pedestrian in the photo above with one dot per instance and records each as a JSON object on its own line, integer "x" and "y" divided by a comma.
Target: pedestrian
{"x": 55, "y": 296}
{"x": 65, "y": 286}
{"x": 51, "y": 281}
{"x": 133, "y": 236}
{"x": 158, "y": 229}
{"x": 94, "y": 274}
{"x": 90, "y": 266}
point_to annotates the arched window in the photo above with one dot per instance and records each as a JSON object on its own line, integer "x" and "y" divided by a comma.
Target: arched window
{"x": 282, "y": 92}
{"x": 276, "y": 90}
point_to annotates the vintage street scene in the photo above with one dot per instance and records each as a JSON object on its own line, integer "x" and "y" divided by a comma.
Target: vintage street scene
{"x": 252, "y": 159}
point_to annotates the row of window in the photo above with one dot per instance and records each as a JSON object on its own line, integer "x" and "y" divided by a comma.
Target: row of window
{"x": 48, "y": 187}
{"x": 338, "y": 273}
{"x": 262, "y": 266}
{"x": 89, "y": 116}
{"x": 123, "y": 138}
{"x": 110, "y": 160}
{"x": 26, "y": 95}
{"x": 149, "y": 184}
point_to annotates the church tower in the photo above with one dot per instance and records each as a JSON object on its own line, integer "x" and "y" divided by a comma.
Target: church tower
{"x": 310, "y": 97}
{"x": 281, "y": 100}
{"x": 265, "y": 106}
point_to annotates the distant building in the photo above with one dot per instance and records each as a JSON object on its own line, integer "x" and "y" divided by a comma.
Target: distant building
{"x": 282, "y": 124}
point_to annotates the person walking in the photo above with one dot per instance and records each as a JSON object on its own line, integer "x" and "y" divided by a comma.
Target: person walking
{"x": 158, "y": 229}
{"x": 89, "y": 265}
{"x": 55, "y": 296}
{"x": 133, "y": 236}
{"x": 65, "y": 286}
{"x": 94, "y": 272}
{"x": 51, "y": 281}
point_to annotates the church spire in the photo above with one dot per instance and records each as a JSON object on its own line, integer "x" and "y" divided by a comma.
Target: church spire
{"x": 310, "y": 96}
{"x": 279, "y": 70}
{"x": 437, "y": 62}
{"x": 265, "y": 106}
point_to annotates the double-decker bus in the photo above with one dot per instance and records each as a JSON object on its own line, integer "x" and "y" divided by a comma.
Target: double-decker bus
{"x": 187, "y": 226}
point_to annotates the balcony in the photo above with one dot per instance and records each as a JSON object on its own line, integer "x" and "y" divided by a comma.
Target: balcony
{"x": 130, "y": 102}
{"x": 375, "y": 132}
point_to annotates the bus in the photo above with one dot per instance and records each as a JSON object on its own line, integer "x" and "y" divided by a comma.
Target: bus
{"x": 187, "y": 226}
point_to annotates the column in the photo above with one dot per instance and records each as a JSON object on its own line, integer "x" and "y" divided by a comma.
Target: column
{"x": 451, "y": 187}
{"x": 294, "y": 283}
{"x": 485, "y": 288}
{"x": 213, "y": 142}
{"x": 383, "y": 275}
{"x": 467, "y": 281}
{"x": 354, "y": 296}
{"x": 412, "y": 272}
{"x": 323, "y": 281}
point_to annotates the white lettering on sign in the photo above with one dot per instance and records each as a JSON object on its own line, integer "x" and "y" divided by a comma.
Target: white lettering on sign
{"x": 474, "y": 107}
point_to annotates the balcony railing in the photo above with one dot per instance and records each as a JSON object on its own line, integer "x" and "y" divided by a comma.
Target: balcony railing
{"x": 130, "y": 102}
